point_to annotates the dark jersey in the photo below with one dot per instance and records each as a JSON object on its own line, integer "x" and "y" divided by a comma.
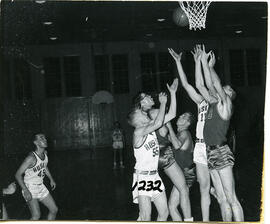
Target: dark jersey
{"x": 215, "y": 128}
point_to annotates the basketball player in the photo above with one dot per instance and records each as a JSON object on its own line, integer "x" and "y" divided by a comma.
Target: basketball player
{"x": 167, "y": 163}
{"x": 215, "y": 130}
{"x": 184, "y": 159}
{"x": 199, "y": 155}
{"x": 118, "y": 144}
{"x": 147, "y": 185}
{"x": 34, "y": 168}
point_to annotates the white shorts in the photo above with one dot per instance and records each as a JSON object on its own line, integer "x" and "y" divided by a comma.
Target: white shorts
{"x": 38, "y": 191}
{"x": 118, "y": 145}
{"x": 199, "y": 154}
{"x": 147, "y": 185}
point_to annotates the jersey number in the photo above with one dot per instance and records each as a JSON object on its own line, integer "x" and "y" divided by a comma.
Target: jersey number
{"x": 41, "y": 173}
{"x": 155, "y": 151}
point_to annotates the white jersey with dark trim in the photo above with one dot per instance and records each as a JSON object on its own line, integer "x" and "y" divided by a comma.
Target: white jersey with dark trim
{"x": 35, "y": 174}
{"x": 202, "y": 110}
{"x": 147, "y": 154}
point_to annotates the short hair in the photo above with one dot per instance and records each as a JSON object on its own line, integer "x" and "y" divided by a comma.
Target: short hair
{"x": 192, "y": 118}
{"x": 137, "y": 100}
{"x": 35, "y": 136}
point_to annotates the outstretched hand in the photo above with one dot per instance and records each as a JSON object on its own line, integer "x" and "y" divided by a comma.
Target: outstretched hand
{"x": 197, "y": 52}
{"x": 162, "y": 97}
{"x": 212, "y": 60}
{"x": 176, "y": 57}
{"x": 205, "y": 55}
{"x": 173, "y": 87}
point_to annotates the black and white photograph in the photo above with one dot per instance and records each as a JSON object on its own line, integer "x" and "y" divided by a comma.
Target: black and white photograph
{"x": 132, "y": 111}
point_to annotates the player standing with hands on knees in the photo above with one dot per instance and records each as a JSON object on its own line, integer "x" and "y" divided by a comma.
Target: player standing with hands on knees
{"x": 34, "y": 168}
{"x": 147, "y": 185}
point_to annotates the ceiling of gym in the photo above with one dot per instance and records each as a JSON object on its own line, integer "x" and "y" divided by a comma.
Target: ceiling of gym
{"x": 22, "y": 22}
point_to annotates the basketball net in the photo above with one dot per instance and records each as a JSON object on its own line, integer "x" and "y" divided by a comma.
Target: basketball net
{"x": 196, "y": 12}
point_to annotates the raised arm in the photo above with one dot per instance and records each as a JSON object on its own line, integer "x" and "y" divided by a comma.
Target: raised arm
{"x": 197, "y": 98}
{"x": 172, "y": 111}
{"x": 214, "y": 77}
{"x": 158, "y": 121}
{"x": 200, "y": 57}
{"x": 177, "y": 144}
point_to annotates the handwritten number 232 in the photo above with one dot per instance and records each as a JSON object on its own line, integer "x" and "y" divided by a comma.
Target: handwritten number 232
{"x": 148, "y": 185}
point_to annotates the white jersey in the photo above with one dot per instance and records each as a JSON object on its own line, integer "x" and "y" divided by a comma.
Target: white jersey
{"x": 147, "y": 154}
{"x": 202, "y": 110}
{"x": 35, "y": 174}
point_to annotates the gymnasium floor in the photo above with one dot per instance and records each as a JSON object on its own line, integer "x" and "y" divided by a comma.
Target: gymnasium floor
{"x": 89, "y": 189}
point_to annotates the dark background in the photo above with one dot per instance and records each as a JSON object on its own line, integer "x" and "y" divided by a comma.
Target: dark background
{"x": 47, "y": 85}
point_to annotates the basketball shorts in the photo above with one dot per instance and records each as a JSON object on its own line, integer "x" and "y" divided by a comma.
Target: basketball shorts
{"x": 199, "y": 154}
{"x": 118, "y": 145}
{"x": 38, "y": 191}
{"x": 166, "y": 158}
{"x": 190, "y": 176}
{"x": 147, "y": 185}
{"x": 219, "y": 157}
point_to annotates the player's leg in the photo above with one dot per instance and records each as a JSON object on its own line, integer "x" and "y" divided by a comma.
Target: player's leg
{"x": 162, "y": 207}
{"x": 226, "y": 175}
{"x": 203, "y": 178}
{"x": 220, "y": 195}
{"x": 144, "y": 208}
{"x": 121, "y": 157}
{"x": 114, "y": 157}
{"x": 4, "y": 212}
{"x": 174, "y": 201}
{"x": 49, "y": 202}
{"x": 34, "y": 209}
{"x": 176, "y": 175}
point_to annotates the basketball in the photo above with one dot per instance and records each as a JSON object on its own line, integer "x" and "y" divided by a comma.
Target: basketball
{"x": 180, "y": 18}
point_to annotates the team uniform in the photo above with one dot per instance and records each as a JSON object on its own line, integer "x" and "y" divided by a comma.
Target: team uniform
{"x": 184, "y": 159}
{"x": 219, "y": 154}
{"x": 166, "y": 158}
{"x": 33, "y": 178}
{"x": 146, "y": 180}
{"x": 118, "y": 139}
{"x": 199, "y": 155}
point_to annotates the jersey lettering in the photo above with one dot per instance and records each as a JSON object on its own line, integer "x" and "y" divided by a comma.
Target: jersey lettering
{"x": 150, "y": 145}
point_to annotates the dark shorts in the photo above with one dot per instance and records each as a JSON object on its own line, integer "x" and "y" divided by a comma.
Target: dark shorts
{"x": 190, "y": 176}
{"x": 166, "y": 158}
{"x": 219, "y": 157}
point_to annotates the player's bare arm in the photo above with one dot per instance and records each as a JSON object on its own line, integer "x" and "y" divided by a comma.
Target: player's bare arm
{"x": 52, "y": 182}
{"x": 197, "y": 98}
{"x": 172, "y": 110}
{"x": 214, "y": 77}
{"x": 199, "y": 77}
{"x": 29, "y": 161}
{"x": 173, "y": 138}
